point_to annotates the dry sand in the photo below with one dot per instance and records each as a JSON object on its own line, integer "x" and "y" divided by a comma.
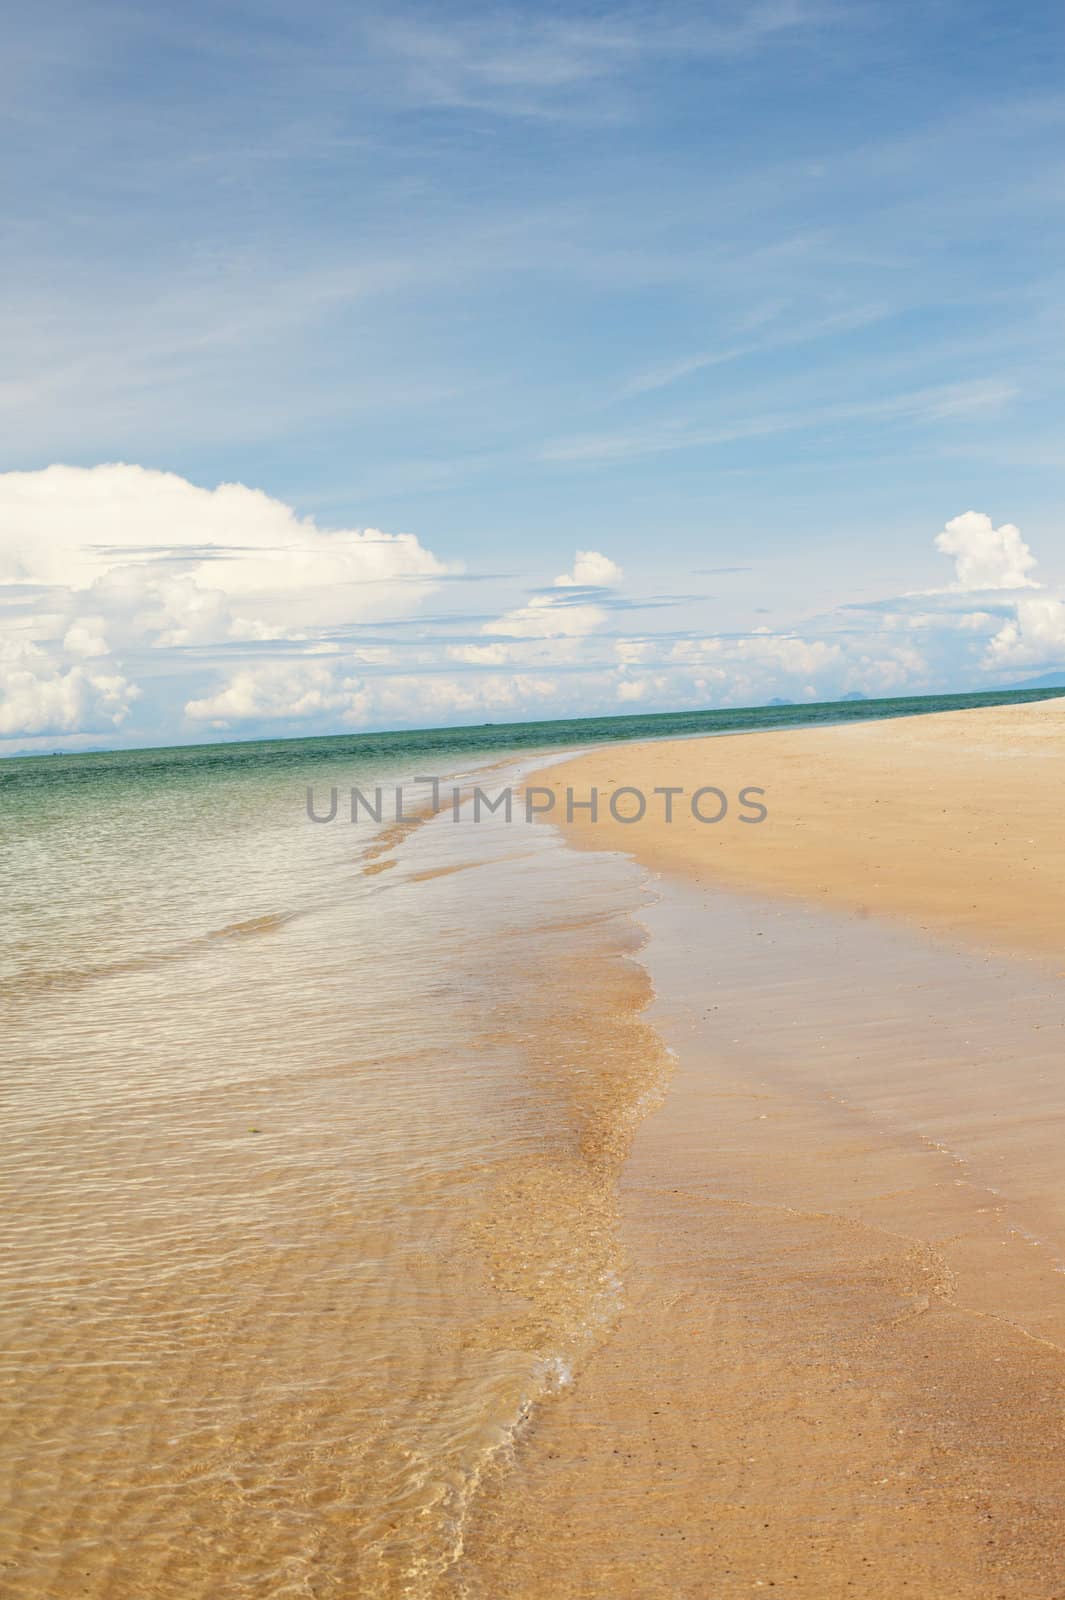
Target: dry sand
{"x": 956, "y": 821}
{"x": 840, "y": 1367}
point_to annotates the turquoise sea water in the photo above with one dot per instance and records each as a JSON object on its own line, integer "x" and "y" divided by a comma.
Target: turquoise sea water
{"x": 387, "y": 750}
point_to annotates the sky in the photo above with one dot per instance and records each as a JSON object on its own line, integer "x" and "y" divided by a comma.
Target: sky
{"x": 376, "y": 367}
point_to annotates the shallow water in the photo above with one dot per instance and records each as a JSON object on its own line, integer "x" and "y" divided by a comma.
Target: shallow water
{"x": 311, "y": 1141}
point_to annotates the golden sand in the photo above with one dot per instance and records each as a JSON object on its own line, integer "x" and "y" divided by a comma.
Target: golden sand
{"x": 840, "y": 1369}
{"x": 954, "y": 821}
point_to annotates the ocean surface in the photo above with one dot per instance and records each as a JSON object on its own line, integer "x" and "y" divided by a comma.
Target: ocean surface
{"x": 312, "y": 1134}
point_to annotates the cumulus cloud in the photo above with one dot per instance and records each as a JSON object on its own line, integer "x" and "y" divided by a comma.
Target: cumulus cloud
{"x": 1010, "y": 618}
{"x": 794, "y": 656}
{"x": 228, "y": 604}
{"x": 281, "y": 692}
{"x": 590, "y": 569}
{"x": 993, "y": 618}
{"x": 86, "y": 637}
{"x": 646, "y": 686}
{"x": 479, "y": 655}
{"x": 749, "y": 669}
{"x": 986, "y": 557}
{"x": 544, "y": 618}
{"x": 989, "y": 558}
{"x": 632, "y": 651}
{"x": 193, "y": 564}
{"x": 39, "y": 696}
{"x": 291, "y": 695}
{"x": 556, "y": 616}
{"x": 1035, "y": 636}
{"x": 117, "y": 561}
{"x": 898, "y": 669}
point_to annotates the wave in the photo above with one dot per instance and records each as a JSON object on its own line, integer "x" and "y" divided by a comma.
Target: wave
{"x": 40, "y": 979}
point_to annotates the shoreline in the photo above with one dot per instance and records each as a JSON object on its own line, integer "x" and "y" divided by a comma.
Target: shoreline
{"x": 840, "y": 1364}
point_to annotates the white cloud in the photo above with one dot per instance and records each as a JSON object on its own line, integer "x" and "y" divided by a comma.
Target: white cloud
{"x": 590, "y": 568}
{"x": 761, "y": 665}
{"x": 994, "y": 602}
{"x": 632, "y": 689}
{"x": 116, "y": 574}
{"x": 200, "y": 564}
{"x": 479, "y": 655}
{"x": 989, "y": 558}
{"x": 554, "y": 616}
{"x": 784, "y": 652}
{"x": 631, "y": 651}
{"x": 1035, "y": 636}
{"x": 896, "y": 671}
{"x": 38, "y": 696}
{"x": 544, "y": 617}
{"x": 986, "y": 557}
{"x": 282, "y": 692}
{"x": 285, "y": 693}
{"x": 130, "y": 560}
{"x": 86, "y": 637}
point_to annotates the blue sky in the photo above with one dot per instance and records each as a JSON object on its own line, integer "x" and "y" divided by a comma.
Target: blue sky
{"x": 744, "y": 303}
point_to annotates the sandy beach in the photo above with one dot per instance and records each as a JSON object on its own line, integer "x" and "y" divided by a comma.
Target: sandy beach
{"x": 951, "y": 821}
{"x": 669, "y": 1212}
{"x": 840, "y": 1366}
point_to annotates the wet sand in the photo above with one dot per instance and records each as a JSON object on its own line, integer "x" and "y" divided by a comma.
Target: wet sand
{"x": 840, "y": 1365}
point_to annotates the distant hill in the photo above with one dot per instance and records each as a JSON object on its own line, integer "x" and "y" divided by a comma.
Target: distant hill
{"x": 856, "y": 694}
{"x": 776, "y": 701}
{"x": 1049, "y": 680}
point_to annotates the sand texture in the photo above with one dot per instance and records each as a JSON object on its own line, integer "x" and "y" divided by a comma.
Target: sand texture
{"x": 953, "y": 820}
{"x": 840, "y": 1365}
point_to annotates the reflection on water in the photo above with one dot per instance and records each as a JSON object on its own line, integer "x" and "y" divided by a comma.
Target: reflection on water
{"x": 310, "y": 1179}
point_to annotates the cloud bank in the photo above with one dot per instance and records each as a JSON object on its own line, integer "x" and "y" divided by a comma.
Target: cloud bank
{"x": 137, "y": 607}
